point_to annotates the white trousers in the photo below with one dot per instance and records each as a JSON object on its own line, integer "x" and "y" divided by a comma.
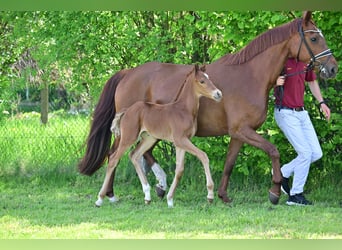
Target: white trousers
{"x": 298, "y": 129}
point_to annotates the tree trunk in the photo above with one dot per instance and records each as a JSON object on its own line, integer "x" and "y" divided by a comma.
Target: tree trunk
{"x": 44, "y": 103}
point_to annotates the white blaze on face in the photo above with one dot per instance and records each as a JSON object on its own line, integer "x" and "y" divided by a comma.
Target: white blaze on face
{"x": 206, "y": 75}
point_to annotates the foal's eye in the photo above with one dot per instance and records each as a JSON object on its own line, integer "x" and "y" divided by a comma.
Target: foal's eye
{"x": 202, "y": 81}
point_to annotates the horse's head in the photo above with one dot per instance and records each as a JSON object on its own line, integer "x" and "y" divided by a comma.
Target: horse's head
{"x": 203, "y": 85}
{"x": 310, "y": 47}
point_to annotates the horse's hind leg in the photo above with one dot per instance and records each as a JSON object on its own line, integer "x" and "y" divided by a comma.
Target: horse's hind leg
{"x": 146, "y": 143}
{"x": 159, "y": 173}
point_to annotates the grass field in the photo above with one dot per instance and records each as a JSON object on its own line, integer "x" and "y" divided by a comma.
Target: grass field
{"x": 44, "y": 197}
{"x": 64, "y": 208}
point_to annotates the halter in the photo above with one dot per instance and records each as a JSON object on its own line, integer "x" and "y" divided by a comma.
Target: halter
{"x": 314, "y": 58}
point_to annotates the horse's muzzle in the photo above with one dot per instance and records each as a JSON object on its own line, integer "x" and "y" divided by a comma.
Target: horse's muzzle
{"x": 328, "y": 71}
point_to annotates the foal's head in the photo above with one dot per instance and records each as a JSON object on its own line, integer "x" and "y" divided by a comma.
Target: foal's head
{"x": 203, "y": 85}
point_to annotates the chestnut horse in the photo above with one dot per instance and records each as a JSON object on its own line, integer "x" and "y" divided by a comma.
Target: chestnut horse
{"x": 245, "y": 79}
{"x": 175, "y": 122}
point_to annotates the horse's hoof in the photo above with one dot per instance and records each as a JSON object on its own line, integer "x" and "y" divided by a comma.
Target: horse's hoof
{"x": 160, "y": 192}
{"x": 113, "y": 199}
{"x": 225, "y": 198}
{"x": 210, "y": 200}
{"x": 274, "y": 199}
{"x": 147, "y": 202}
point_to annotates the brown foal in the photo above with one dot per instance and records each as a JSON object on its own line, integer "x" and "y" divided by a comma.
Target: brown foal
{"x": 175, "y": 122}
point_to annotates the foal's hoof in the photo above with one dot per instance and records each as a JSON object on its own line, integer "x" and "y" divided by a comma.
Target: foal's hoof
{"x": 147, "y": 202}
{"x": 99, "y": 203}
{"x": 274, "y": 199}
{"x": 210, "y": 200}
{"x": 160, "y": 192}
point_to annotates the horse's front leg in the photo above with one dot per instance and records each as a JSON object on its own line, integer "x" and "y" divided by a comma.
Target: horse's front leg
{"x": 251, "y": 137}
{"x": 233, "y": 150}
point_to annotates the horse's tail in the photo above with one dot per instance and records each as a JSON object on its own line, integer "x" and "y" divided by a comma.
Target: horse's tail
{"x": 99, "y": 138}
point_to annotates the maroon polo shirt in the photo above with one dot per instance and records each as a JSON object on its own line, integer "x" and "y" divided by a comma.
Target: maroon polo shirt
{"x": 294, "y": 86}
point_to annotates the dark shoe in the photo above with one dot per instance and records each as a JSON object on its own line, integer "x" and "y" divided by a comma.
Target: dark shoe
{"x": 298, "y": 199}
{"x": 285, "y": 187}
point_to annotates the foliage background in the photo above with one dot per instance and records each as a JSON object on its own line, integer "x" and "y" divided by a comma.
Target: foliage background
{"x": 77, "y": 51}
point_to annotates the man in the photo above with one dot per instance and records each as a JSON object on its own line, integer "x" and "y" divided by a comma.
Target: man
{"x": 296, "y": 125}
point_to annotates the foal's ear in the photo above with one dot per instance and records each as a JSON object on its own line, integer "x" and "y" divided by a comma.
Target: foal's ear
{"x": 196, "y": 68}
{"x": 307, "y": 16}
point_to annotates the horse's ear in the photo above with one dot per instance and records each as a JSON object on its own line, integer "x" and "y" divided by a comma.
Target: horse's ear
{"x": 307, "y": 16}
{"x": 203, "y": 68}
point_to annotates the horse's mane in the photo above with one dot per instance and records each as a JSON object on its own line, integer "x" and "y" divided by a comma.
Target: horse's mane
{"x": 263, "y": 42}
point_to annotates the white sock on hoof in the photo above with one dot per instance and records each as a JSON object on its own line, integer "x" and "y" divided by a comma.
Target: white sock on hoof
{"x": 170, "y": 203}
{"x": 147, "y": 191}
{"x": 99, "y": 202}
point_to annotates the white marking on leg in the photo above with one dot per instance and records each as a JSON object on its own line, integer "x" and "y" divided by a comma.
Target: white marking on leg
{"x": 160, "y": 176}
{"x": 113, "y": 199}
{"x": 144, "y": 166}
{"x": 170, "y": 203}
{"x": 99, "y": 202}
{"x": 147, "y": 191}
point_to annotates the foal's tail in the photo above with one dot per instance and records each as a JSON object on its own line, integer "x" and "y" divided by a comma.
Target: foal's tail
{"x": 99, "y": 138}
{"x": 115, "y": 127}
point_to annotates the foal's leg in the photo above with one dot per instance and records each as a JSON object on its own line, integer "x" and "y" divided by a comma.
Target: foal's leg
{"x": 110, "y": 189}
{"x": 123, "y": 143}
{"x": 112, "y": 163}
{"x": 146, "y": 143}
{"x": 180, "y": 153}
{"x": 187, "y": 145}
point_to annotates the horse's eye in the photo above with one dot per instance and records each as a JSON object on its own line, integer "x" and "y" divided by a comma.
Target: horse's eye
{"x": 313, "y": 39}
{"x": 202, "y": 81}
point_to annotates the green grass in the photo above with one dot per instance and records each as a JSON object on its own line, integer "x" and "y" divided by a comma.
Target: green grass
{"x": 64, "y": 208}
{"x": 43, "y": 196}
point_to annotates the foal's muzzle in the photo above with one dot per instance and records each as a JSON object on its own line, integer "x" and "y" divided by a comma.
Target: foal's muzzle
{"x": 217, "y": 95}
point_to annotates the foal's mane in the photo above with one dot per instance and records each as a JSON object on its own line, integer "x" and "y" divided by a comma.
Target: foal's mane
{"x": 263, "y": 42}
{"x": 184, "y": 83}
